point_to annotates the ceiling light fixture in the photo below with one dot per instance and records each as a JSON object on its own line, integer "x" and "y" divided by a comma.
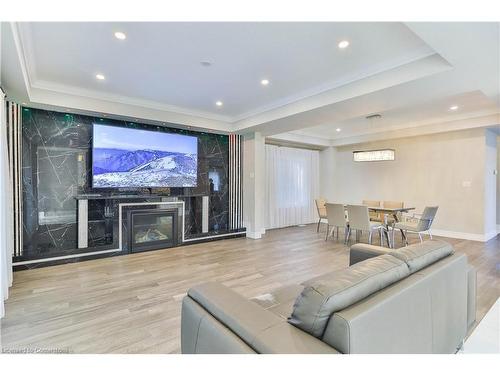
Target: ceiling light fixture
{"x": 453, "y": 107}
{"x": 343, "y": 44}
{"x": 100, "y": 77}
{"x": 264, "y": 82}
{"x": 218, "y": 103}
{"x": 120, "y": 35}
{"x": 338, "y": 130}
{"x": 374, "y": 155}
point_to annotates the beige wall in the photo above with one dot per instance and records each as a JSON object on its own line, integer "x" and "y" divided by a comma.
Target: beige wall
{"x": 445, "y": 169}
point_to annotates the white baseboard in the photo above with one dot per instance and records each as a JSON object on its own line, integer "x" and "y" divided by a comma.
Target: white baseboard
{"x": 488, "y": 236}
{"x": 464, "y": 235}
{"x": 254, "y": 235}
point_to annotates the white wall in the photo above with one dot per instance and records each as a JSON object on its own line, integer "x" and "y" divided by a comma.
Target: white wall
{"x": 448, "y": 170}
{"x": 498, "y": 183}
{"x": 490, "y": 185}
{"x": 253, "y": 184}
{"x": 326, "y": 171}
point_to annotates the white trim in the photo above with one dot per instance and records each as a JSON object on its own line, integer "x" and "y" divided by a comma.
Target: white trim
{"x": 83, "y": 223}
{"x": 488, "y": 236}
{"x": 463, "y": 235}
{"x": 336, "y": 84}
{"x": 64, "y": 257}
{"x": 204, "y": 213}
{"x": 215, "y": 236}
{"x": 127, "y": 100}
{"x": 254, "y": 235}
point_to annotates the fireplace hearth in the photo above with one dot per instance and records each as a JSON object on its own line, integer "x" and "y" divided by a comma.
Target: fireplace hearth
{"x": 151, "y": 229}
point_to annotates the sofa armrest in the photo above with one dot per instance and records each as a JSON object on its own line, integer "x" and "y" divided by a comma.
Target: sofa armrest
{"x": 258, "y": 328}
{"x": 471, "y": 295}
{"x": 360, "y": 252}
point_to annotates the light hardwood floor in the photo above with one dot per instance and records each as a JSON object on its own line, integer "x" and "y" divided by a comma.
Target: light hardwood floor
{"x": 131, "y": 304}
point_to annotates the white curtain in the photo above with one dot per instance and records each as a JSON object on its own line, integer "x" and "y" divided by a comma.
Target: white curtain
{"x": 6, "y": 211}
{"x": 292, "y": 184}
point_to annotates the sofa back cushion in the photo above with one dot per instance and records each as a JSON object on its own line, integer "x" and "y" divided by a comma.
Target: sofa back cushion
{"x": 324, "y": 296}
{"x": 419, "y": 256}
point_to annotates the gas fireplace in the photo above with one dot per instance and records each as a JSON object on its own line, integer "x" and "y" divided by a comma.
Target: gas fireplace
{"x": 151, "y": 229}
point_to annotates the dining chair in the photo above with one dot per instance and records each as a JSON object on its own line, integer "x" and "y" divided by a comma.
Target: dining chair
{"x": 336, "y": 219}
{"x": 320, "y": 206}
{"x": 421, "y": 225}
{"x": 374, "y": 216}
{"x": 359, "y": 220}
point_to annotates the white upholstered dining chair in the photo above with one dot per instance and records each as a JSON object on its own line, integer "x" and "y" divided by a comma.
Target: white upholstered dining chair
{"x": 359, "y": 220}
{"x": 335, "y": 214}
{"x": 320, "y": 206}
{"x": 417, "y": 223}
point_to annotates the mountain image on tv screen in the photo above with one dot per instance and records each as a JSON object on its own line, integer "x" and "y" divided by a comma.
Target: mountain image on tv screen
{"x": 123, "y": 157}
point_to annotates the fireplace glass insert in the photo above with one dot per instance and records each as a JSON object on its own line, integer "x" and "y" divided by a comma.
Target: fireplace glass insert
{"x": 152, "y": 229}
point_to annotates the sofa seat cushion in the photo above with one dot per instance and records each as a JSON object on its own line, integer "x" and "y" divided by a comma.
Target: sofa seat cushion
{"x": 280, "y": 301}
{"x": 421, "y": 255}
{"x": 324, "y": 296}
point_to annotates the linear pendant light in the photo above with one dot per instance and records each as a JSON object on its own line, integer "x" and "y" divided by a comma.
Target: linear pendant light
{"x": 374, "y": 155}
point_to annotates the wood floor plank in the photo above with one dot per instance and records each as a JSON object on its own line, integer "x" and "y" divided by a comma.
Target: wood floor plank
{"x": 132, "y": 303}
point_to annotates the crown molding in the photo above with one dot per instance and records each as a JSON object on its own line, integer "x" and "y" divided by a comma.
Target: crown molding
{"x": 415, "y": 65}
{"x": 21, "y": 54}
{"x": 101, "y": 95}
{"x": 481, "y": 119}
{"x": 400, "y": 74}
{"x": 38, "y": 91}
{"x": 335, "y": 84}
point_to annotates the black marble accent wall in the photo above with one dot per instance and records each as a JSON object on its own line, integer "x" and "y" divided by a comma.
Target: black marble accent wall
{"x": 56, "y": 167}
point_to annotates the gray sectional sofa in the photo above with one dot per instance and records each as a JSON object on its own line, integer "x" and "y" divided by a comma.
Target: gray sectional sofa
{"x": 417, "y": 299}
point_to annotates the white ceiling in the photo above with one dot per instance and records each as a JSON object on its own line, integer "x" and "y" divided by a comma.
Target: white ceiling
{"x": 160, "y": 62}
{"x": 409, "y": 73}
{"x": 405, "y": 116}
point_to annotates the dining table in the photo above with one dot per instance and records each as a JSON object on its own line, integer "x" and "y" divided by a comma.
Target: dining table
{"x": 394, "y": 213}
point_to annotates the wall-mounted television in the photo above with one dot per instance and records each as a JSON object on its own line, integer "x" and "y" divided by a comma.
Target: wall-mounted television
{"x": 136, "y": 158}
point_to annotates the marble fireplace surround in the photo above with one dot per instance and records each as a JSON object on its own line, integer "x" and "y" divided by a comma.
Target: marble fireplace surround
{"x": 179, "y": 204}
{"x": 56, "y": 169}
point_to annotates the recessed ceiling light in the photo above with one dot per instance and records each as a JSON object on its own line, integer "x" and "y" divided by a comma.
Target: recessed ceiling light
{"x": 344, "y": 44}
{"x": 120, "y": 35}
{"x": 453, "y": 107}
{"x": 218, "y": 103}
{"x": 338, "y": 129}
{"x": 264, "y": 82}
{"x": 100, "y": 76}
